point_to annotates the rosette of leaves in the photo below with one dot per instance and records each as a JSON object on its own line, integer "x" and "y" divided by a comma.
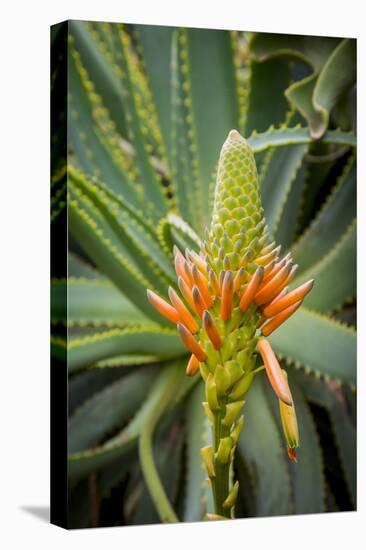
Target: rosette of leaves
{"x": 149, "y": 108}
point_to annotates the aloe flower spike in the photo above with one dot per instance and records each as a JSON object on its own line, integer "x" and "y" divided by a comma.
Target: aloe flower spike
{"x": 236, "y": 288}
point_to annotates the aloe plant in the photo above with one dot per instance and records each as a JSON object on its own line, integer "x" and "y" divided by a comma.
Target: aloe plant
{"x": 149, "y": 109}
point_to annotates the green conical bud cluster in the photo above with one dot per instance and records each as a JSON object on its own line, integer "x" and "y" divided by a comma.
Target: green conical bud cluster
{"x": 237, "y": 220}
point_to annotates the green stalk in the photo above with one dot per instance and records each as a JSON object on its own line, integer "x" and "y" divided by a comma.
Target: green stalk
{"x": 221, "y": 481}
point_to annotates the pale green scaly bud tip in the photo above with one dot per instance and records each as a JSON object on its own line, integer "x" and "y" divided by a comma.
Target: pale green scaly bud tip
{"x": 237, "y": 197}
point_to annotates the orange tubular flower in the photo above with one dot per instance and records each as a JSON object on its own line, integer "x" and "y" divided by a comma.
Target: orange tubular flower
{"x": 190, "y": 342}
{"x": 201, "y": 282}
{"x": 251, "y": 289}
{"x": 280, "y": 318}
{"x": 239, "y": 279}
{"x": 197, "y": 260}
{"x": 274, "y": 372}
{"x": 214, "y": 283}
{"x": 280, "y": 295}
{"x": 227, "y": 296}
{"x": 199, "y": 303}
{"x": 274, "y": 285}
{"x": 268, "y": 269}
{"x": 292, "y": 297}
{"x": 211, "y": 329}
{"x": 185, "y": 316}
{"x": 186, "y": 292}
{"x": 193, "y": 366}
{"x": 269, "y": 274}
{"x": 180, "y": 268}
{"x": 291, "y": 275}
{"x": 165, "y": 309}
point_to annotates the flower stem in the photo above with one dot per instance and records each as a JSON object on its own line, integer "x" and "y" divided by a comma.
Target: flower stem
{"x": 221, "y": 481}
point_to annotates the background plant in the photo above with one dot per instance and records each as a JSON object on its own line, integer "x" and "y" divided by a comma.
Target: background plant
{"x": 149, "y": 108}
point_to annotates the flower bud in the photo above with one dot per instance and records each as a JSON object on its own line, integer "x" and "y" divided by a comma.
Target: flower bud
{"x": 211, "y": 393}
{"x": 222, "y": 379}
{"x": 232, "y": 496}
{"x": 289, "y": 426}
{"x": 224, "y": 449}
{"x": 208, "y": 412}
{"x": 193, "y": 366}
{"x": 207, "y": 455}
{"x": 274, "y": 372}
{"x": 231, "y": 412}
{"x": 234, "y": 370}
{"x": 235, "y": 432}
{"x": 165, "y": 309}
{"x": 241, "y": 387}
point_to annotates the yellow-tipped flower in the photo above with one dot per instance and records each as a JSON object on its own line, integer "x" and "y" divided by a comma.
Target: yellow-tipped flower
{"x": 289, "y": 426}
{"x": 193, "y": 365}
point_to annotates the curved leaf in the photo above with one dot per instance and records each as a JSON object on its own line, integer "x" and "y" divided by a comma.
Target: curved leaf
{"x": 133, "y": 234}
{"x": 155, "y": 44}
{"x": 80, "y": 464}
{"x": 109, "y": 259}
{"x": 306, "y": 333}
{"x": 277, "y": 181}
{"x": 100, "y": 71}
{"x": 334, "y": 274}
{"x": 150, "y": 340}
{"x": 292, "y": 136}
{"x": 78, "y": 267}
{"x": 313, "y": 50}
{"x": 204, "y": 89}
{"x": 333, "y": 62}
{"x": 335, "y": 78}
{"x": 84, "y": 385}
{"x": 156, "y": 200}
{"x": 331, "y": 397}
{"x": 96, "y": 151}
{"x": 266, "y": 103}
{"x": 108, "y": 409}
{"x": 330, "y": 223}
{"x": 307, "y": 475}
{"x": 126, "y": 360}
{"x": 300, "y": 96}
{"x": 288, "y": 224}
{"x": 92, "y": 302}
